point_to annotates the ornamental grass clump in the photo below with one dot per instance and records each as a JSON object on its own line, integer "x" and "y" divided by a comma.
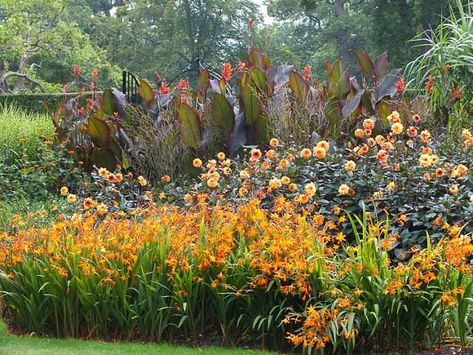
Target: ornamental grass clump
{"x": 279, "y": 278}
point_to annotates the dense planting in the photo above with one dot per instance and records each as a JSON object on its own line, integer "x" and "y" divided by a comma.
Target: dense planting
{"x": 257, "y": 205}
{"x": 267, "y": 277}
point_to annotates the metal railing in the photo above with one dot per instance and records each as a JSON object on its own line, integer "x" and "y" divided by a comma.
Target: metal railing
{"x": 130, "y": 86}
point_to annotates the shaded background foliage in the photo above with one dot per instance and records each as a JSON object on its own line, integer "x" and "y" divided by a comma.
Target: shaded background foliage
{"x": 176, "y": 38}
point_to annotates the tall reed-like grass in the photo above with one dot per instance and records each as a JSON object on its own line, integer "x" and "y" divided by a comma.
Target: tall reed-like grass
{"x": 20, "y": 130}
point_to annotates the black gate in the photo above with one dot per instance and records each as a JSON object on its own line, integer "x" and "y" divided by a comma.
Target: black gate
{"x": 130, "y": 86}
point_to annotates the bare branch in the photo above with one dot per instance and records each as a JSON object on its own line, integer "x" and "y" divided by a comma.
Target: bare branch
{"x": 4, "y": 78}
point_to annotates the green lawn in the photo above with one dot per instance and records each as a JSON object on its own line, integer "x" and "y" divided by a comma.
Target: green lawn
{"x": 10, "y": 345}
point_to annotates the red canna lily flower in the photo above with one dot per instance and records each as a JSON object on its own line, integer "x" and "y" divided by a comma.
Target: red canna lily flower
{"x": 95, "y": 74}
{"x": 226, "y": 72}
{"x": 76, "y": 70}
{"x": 164, "y": 89}
{"x": 307, "y": 73}
{"x": 401, "y": 85}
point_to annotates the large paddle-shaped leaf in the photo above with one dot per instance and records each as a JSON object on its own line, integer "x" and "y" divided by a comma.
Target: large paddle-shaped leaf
{"x": 352, "y": 103}
{"x": 106, "y": 102}
{"x": 103, "y": 158}
{"x": 190, "y": 127}
{"x": 258, "y": 78}
{"x": 381, "y": 66}
{"x": 250, "y": 104}
{"x": 364, "y": 62}
{"x": 145, "y": 91}
{"x": 333, "y": 113}
{"x": 338, "y": 81}
{"x": 299, "y": 87}
{"x": 203, "y": 80}
{"x": 99, "y": 131}
{"x": 222, "y": 113}
{"x": 387, "y": 86}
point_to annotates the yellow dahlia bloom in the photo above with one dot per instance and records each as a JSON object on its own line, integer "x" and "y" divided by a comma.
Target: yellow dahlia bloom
{"x": 350, "y": 165}
{"x": 343, "y": 190}
{"x": 397, "y": 128}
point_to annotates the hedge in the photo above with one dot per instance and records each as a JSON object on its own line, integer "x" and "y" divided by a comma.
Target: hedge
{"x": 32, "y": 102}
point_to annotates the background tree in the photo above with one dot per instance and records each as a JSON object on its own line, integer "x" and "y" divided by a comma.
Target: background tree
{"x": 39, "y": 43}
{"x": 168, "y": 36}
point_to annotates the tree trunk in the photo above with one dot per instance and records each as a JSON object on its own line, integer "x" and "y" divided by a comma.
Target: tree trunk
{"x": 20, "y": 81}
{"x": 341, "y": 35}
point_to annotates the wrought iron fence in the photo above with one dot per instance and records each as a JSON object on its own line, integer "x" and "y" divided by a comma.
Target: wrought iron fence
{"x": 130, "y": 86}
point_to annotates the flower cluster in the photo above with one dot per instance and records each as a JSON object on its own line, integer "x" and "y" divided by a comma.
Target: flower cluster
{"x": 381, "y": 170}
{"x": 155, "y": 275}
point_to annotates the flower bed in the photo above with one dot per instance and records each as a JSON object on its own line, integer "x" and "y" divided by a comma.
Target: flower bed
{"x": 280, "y": 278}
{"x": 406, "y": 175}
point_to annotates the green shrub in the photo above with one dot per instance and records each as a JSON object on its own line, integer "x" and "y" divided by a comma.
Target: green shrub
{"x": 37, "y": 176}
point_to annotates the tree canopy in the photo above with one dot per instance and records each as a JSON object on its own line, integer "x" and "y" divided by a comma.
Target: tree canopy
{"x": 40, "y": 40}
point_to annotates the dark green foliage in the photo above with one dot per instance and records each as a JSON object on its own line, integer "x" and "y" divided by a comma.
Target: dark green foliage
{"x": 34, "y": 102}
